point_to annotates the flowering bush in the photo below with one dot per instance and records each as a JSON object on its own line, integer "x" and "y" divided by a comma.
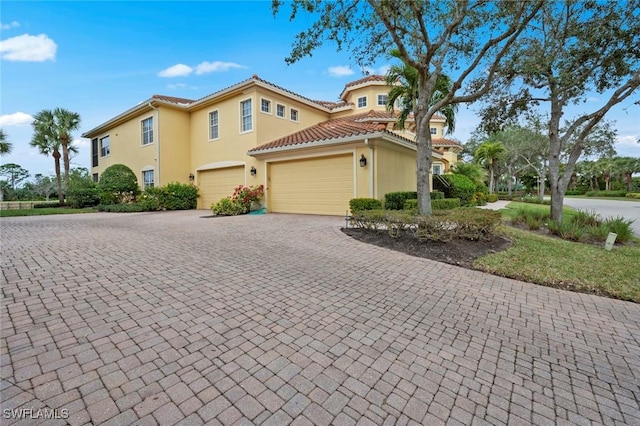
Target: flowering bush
{"x": 240, "y": 202}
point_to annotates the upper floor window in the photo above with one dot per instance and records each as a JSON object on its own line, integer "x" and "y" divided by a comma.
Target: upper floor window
{"x": 265, "y": 106}
{"x": 213, "y": 125}
{"x": 382, "y": 100}
{"x": 294, "y": 114}
{"x": 280, "y": 110}
{"x": 147, "y": 131}
{"x": 105, "y": 146}
{"x": 362, "y": 102}
{"x": 437, "y": 169}
{"x": 434, "y": 131}
{"x": 147, "y": 179}
{"x": 246, "y": 118}
{"x": 94, "y": 152}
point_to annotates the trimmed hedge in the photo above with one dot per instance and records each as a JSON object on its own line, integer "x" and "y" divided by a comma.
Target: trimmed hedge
{"x": 439, "y": 204}
{"x": 359, "y": 204}
{"x": 46, "y": 205}
{"x": 173, "y": 196}
{"x": 606, "y": 193}
{"x": 443, "y": 225}
{"x": 81, "y": 197}
{"x": 492, "y": 198}
{"x": 633, "y": 195}
{"x": 395, "y": 200}
{"x": 118, "y": 184}
{"x": 120, "y": 208}
{"x": 460, "y": 187}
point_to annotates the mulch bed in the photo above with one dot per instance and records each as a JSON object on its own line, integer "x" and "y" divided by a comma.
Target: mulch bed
{"x": 455, "y": 252}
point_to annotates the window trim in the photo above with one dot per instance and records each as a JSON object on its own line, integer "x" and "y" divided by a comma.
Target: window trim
{"x": 366, "y": 102}
{"x": 297, "y": 113}
{"x": 100, "y": 146}
{"x": 386, "y": 98}
{"x": 270, "y": 112}
{"x": 433, "y": 130}
{"x": 217, "y": 110}
{"x": 150, "y": 130}
{"x": 250, "y": 100}
{"x": 284, "y": 111}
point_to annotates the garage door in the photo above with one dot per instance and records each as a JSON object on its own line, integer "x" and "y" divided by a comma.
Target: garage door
{"x": 317, "y": 186}
{"x": 217, "y": 184}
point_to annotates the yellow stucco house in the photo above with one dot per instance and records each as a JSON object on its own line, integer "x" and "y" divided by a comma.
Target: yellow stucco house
{"x": 311, "y": 156}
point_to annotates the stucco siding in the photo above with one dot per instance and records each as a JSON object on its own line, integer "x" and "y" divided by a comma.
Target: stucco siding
{"x": 175, "y": 146}
{"x": 395, "y": 170}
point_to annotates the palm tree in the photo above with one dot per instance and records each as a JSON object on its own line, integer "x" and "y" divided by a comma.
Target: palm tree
{"x": 489, "y": 153}
{"x": 627, "y": 166}
{"x": 473, "y": 171}
{"x": 65, "y": 123}
{"x": 46, "y": 140}
{"x": 406, "y": 92}
{"x": 5, "y": 146}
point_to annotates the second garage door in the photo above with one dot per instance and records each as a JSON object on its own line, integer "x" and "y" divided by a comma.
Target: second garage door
{"x": 217, "y": 184}
{"x": 317, "y": 186}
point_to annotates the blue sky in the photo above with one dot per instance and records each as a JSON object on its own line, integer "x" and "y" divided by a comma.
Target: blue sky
{"x": 101, "y": 58}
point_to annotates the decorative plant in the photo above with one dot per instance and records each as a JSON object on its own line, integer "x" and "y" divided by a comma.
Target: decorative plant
{"x": 240, "y": 202}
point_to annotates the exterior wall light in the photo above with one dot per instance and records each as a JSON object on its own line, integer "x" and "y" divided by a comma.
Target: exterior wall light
{"x": 191, "y": 177}
{"x": 363, "y": 161}
{"x": 253, "y": 171}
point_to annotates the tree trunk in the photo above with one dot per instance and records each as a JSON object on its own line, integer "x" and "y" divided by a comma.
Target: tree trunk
{"x": 424, "y": 148}
{"x": 56, "y": 159}
{"x": 490, "y": 180}
{"x": 65, "y": 159}
{"x": 557, "y": 195}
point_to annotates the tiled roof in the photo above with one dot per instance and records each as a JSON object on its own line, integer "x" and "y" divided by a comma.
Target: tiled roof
{"x": 337, "y": 128}
{"x": 445, "y": 142}
{"x": 333, "y": 105}
{"x": 366, "y": 79}
{"x": 173, "y": 99}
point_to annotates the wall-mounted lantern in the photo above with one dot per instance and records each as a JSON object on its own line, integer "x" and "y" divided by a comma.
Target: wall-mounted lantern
{"x": 253, "y": 171}
{"x": 363, "y": 161}
{"x": 191, "y": 177}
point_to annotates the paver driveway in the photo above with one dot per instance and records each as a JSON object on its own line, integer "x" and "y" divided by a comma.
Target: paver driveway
{"x": 169, "y": 317}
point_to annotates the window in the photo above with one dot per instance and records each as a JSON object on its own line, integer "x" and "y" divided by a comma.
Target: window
{"x": 147, "y": 131}
{"x": 94, "y": 152}
{"x": 105, "y": 148}
{"x": 94, "y": 177}
{"x": 245, "y": 112}
{"x": 362, "y": 102}
{"x": 265, "y": 106}
{"x": 213, "y": 125}
{"x": 434, "y": 131}
{"x": 436, "y": 169}
{"x": 280, "y": 110}
{"x": 382, "y": 100}
{"x": 147, "y": 179}
{"x": 294, "y": 114}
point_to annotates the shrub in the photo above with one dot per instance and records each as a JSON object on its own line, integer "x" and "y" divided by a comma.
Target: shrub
{"x": 462, "y": 223}
{"x": 574, "y": 192}
{"x": 151, "y": 199}
{"x": 174, "y": 196}
{"x": 586, "y": 218}
{"x": 633, "y": 195}
{"x": 228, "y": 207}
{"x": 621, "y": 226}
{"x": 78, "y": 197}
{"x": 118, "y": 184}
{"x": 532, "y": 218}
{"x": 438, "y": 204}
{"x": 437, "y": 195}
{"x": 247, "y": 195}
{"x": 566, "y": 230}
{"x": 46, "y": 205}
{"x": 459, "y": 186}
{"x": 480, "y": 199}
{"x": 492, "y": 198}
{"x": 359, "y": 204}
{"x": 395, "y": 200}
{"x": 621, "y": 193}
{"x": 598, "y": 232}
{"x": 120, "y": 208}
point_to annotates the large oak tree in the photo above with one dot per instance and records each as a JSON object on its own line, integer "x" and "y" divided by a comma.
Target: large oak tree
{"x": 464, "y": 39}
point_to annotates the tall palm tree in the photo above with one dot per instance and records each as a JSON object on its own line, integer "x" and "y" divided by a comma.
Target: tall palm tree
{"x": 489, "y": 154}
{"x": 627, "y": 166}
{"x": 5, "y": 146}
{"x": 65, "y": 123}
{"x": 46, "y": 140}
{"x": 403, "y": 80}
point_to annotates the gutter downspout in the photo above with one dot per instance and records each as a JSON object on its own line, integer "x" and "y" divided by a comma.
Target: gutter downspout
{"x": 157, "y": 141}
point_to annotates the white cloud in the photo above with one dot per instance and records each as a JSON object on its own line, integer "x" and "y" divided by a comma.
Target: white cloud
{"x": 628, "y": 146}
{"x": 340, "y": 71}
{"x": 176, "y": 85}
{"x": 207, "y": 67}
{"x": 81, "y": 142}
{"x": 16, "y": 119}
{"x": 13, "y": 24}
{"x": 178, "y": 70}
{"x": 28, "y": 48}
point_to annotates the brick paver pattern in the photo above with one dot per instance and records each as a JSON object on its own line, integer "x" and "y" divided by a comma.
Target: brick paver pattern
{"x": 174, "y": 318}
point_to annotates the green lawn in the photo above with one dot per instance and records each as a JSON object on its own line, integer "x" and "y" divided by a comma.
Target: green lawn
{"x": 512, "y": 208}
{"x": 574, "y": 266}
{"x": 43, "y": 211}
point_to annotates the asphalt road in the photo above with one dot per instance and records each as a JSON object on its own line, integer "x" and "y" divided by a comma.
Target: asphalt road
{"x": 609, "y": 208}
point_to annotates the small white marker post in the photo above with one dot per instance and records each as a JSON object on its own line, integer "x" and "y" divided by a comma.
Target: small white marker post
{"x": 611, "y": 239}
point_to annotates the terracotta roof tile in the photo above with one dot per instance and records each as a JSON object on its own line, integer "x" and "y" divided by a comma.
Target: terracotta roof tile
{"x": 337, "y": 128}
{"x": 445, "y": 142}
{"x": 366, "y": 80}
{"x": 172, "y": 99}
